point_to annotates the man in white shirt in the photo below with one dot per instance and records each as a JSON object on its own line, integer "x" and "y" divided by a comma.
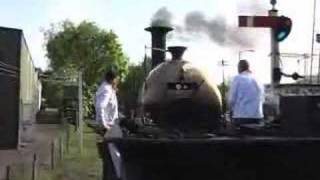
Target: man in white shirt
{"x": 106, "y": 103}
{"x": 106, "y": 108}
{"x": 246, "y": 96}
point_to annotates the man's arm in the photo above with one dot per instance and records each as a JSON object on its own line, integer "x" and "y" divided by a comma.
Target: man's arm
{"x": 233, "y": 92}
{"x": 116, "y": 112}
{"x": 262, "y": 94}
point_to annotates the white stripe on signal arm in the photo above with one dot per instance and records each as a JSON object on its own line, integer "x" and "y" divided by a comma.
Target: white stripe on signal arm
{"x": 250, "y": 21}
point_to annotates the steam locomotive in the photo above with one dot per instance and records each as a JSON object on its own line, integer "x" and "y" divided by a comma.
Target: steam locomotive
{"x": 182, "y": 135}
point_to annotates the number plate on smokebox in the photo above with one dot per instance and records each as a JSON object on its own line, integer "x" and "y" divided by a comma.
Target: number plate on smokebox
{"x": 181, "y": 89}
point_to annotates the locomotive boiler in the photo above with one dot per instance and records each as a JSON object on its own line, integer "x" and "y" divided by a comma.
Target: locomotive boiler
{"x": 178, "y": 95}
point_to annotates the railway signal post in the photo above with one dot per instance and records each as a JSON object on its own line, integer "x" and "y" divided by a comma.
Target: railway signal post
{"x": 280, "y": 29}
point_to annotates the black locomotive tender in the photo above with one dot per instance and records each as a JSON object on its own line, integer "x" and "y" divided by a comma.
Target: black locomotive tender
{"x": 181, "y": 134}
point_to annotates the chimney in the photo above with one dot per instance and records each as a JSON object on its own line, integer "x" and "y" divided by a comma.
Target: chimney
{"x": 177, "y": 52}
{"x": 158, "y": 36}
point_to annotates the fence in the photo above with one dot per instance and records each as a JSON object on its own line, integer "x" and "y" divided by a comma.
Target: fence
{"x": 30, "y": 167}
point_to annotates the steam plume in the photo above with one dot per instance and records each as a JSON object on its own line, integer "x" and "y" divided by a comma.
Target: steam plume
{"x": 162, "y": 17}
{"x": 196, "y": 24}
{"x": 216, "y": 29}
{"x": 254, "y": 7}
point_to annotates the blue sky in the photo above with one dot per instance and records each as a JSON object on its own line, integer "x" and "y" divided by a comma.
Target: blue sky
{"x": 128, "y": 18}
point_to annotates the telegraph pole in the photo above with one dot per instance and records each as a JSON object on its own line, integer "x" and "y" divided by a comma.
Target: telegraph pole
{"x": 80, "y": 110}
{"x": 318, "y": 41}
{"x": 223, "y": 64}
{"x": 280, "y": 29}
{"x": 312, "y": 39}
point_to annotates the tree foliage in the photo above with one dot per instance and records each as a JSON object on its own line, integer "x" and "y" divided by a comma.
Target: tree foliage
{"x": 224, "y": 89}
{"x": 130, "y": 88}
{"x": 85, "y": 46}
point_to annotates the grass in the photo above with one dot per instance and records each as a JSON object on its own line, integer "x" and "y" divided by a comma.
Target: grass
{"x": 77, "y": 166}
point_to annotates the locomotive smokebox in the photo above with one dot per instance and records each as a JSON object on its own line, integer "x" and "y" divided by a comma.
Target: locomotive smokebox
{"x": 158, "y": 38}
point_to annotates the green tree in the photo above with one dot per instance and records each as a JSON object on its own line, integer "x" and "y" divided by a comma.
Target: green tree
{"x": 130, "y": 88}
{"x": 224, "y": 89}
{"x": 85, "y": 46}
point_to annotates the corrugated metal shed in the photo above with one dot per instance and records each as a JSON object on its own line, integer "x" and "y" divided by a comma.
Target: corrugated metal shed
{"x": 9, "y": 88}
{"x": 19, "y": 88}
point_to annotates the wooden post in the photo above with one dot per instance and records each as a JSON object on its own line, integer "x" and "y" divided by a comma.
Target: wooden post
{"x": 8, "y": 171}
{"x": 52, "y": 155}
{"x": 34, "y": 167}
{"x": 80, "y": 111}
{"x": 61, "y": 149}
{"x": 67, "y": 137}
{"x": 65, "y": 130}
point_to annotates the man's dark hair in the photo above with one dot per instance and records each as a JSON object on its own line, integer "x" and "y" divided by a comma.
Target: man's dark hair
{"x": 243, "y": 65}
{"x": 110, "y": 75}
